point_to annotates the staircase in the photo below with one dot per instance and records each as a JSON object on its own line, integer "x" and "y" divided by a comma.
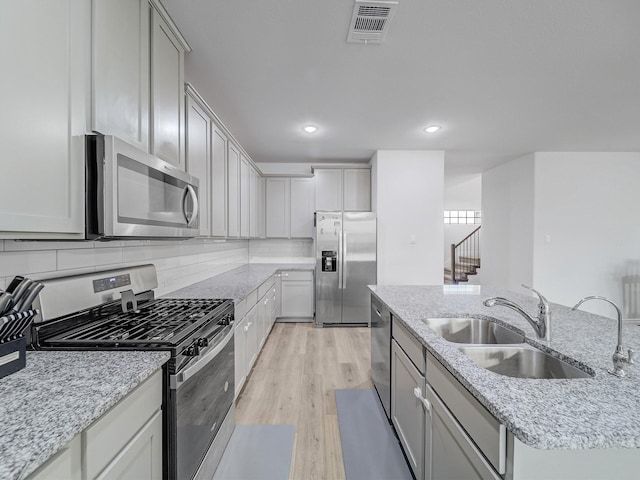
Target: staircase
{"x": 464, "y": 267}
{"x": 465, "y": 259}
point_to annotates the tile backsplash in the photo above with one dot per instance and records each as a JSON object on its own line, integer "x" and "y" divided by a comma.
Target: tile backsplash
{"x": 178, "y": 263}
{"x": 273, "y": 250}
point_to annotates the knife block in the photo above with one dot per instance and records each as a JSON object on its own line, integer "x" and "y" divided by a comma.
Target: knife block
{"x": 12, "y": 356}
{"x": 13, "y": 345}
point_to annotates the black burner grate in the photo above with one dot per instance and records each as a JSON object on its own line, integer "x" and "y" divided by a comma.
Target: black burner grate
{"x": 158, "y": 322}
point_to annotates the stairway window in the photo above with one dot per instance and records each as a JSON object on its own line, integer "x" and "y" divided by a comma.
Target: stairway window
{"x": 463, "y": 216}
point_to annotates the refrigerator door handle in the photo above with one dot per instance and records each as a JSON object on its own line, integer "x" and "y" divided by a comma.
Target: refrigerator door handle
{"x": 340, "y": 261}
{"x": 344, "y": 260}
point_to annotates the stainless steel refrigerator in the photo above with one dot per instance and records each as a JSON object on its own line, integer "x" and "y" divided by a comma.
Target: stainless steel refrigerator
{"x": 345, "y": 265}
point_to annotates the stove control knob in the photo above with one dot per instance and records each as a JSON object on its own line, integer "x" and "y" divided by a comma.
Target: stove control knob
{"x": 192, "y": 351}
{"x": 203, "y": 342}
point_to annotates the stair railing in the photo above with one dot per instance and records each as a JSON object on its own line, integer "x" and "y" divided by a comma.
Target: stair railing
{"x": 468, "y": 247}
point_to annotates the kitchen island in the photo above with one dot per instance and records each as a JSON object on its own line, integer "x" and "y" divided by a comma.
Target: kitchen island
{"x": 592, "y": 418}
{"x": 60, "y": 394}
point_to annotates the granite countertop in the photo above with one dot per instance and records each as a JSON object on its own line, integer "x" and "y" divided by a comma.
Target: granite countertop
{"x": 590, "y": 413}
{"x": 237, "y": 283}
{"x": 58, "y": 395}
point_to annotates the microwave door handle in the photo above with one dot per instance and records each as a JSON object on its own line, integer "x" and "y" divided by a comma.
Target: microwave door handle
{"x": 189, "y": 190}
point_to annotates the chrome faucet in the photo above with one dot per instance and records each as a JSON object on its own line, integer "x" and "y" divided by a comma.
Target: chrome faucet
{"x": 619, "y": 357}
{"x": 541, "y": 324}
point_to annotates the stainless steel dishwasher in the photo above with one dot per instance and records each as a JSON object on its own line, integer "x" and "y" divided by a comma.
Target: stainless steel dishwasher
{"x": 381, "y": 352}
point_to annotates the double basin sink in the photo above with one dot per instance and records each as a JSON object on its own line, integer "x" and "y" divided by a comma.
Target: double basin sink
{"x": 501, "y": 350}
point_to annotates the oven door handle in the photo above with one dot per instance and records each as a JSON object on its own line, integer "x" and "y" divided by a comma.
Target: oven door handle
{"x": 181, "y": 377}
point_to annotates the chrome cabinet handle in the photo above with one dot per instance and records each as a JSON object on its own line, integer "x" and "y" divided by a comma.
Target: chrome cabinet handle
{"x": 425, "y": 403}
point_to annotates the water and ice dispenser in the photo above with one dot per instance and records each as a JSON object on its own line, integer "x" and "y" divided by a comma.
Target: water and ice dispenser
{"x": 329, "y": 260}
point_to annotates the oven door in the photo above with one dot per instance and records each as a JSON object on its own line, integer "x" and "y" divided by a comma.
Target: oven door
{"x": 203, "y": 393}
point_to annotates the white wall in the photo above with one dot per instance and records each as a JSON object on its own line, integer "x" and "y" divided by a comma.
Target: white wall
{"x": 587, "y": 225}
{"x": 178, "y": 263}
{"x": 408, "y": 197}
{"x": 508, "y": 224}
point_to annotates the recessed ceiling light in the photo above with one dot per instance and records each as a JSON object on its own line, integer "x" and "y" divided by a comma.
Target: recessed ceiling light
{"x": 310, "y": 129}
{"x": 432, "y": 128}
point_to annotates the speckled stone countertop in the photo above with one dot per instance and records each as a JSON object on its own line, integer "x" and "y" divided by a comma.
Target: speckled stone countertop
{"x": 237, "y": 283}
{"x": 599, "y": 412}
{"x": 58, "y": 395}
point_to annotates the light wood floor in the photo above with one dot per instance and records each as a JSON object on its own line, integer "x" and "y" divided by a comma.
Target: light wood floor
{"x": 294, "y": 382}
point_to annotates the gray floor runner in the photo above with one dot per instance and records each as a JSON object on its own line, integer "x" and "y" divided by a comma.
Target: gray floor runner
{"x": 257, "y": 452}
{"x": 370, "y": 449}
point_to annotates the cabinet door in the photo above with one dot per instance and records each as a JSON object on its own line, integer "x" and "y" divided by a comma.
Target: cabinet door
{"x": 302, "y": 207}
{"x": 244, "y": 197}
{"x": 452, "y": 453}
{"x": 198, "y": 158}
{"x": 240, "y": 353}
{"x": 233, "y": 185}
{"x": 66, "y": 464}
{"x": 141, "y": 458}
{"x": 328, "y": 189}
{"x": 297, "y": 297}
{"x": 167, "y": 87}
{"x": 277, "y": 211}
{"x": 356, "y": 189}
{"x": 120, "y": 66}
{"x": 407, "y": 412}
{"x": 218, "y": 183}
{"x": 262, "y": 221}
{"x": 253, "y": 203}
{"x": 43, "y": 117}
{"x": 252, "y": 337}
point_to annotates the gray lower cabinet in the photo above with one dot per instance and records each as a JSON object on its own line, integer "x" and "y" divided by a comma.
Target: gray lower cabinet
{"x": 125, "y": 443}
{"x": 407, "y": 412}
{"x": 297, "y": 295}
{"x": 449, "y": 451}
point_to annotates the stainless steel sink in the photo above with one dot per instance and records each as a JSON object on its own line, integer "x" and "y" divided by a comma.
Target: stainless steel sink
{"x": 522, "y": 361}
{"x": 472, "y": 330}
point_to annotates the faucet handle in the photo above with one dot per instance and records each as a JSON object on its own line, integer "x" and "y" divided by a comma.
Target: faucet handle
{"x": 543, "y": 300}
{"x": 630, "y": 355}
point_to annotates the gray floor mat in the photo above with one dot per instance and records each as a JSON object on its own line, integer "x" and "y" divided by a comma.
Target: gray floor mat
{"x": 257, "y": 452}
{"x": 370, "y": 449}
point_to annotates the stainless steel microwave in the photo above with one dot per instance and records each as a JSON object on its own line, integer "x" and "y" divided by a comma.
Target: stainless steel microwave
{"x": 131, "y": 194}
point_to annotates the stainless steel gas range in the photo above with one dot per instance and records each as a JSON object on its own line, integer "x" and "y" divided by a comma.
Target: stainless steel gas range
{"x": 117, "y": 310}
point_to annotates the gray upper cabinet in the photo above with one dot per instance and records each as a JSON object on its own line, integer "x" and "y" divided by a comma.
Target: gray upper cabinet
{"x": 356, "y": 190}
{"x": 121, "y": 70}
{"x": 199, "y": 156}
{"x": 44, "y": 115}
{"x": 278, "y": 198}
{"x": 245, "y": 196}
{"x": 167, "y": 90}
{"x": 343, "y": 189}
{"x": 302, "y": 207}
{"x": 233, "y": 192}
{"x": 328, "y": 189}
{"x": 219, "y": 145}
{"x": 254, "y": 202}
{"x": 289, "y": 207}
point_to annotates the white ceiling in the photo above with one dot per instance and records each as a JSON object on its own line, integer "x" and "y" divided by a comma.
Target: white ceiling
{"x": 502, "y": 77}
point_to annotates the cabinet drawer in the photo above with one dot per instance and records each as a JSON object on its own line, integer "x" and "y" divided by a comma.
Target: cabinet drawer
{"x": 265, "y": 287}
{"x": 251, "y": 299}
{"x": 486, "y": 432}
{"x": 297, "y": 275}
{"x": 110, "y": 433}
{"x": 410, "y": 344}
{"x": 241, "y": 309}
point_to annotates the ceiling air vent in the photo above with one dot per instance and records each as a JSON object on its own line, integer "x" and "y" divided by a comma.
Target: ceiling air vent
{"x": 370, "y": 21}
